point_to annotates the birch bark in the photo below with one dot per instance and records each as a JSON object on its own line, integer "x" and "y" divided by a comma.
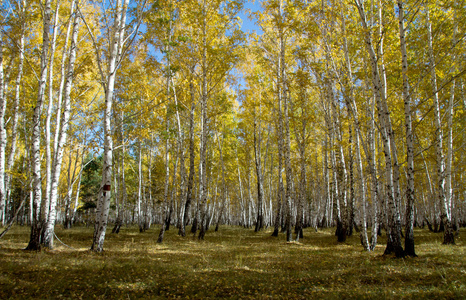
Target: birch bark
{"x": 224, "y": 186}
{"x": 189, "y": 188}
{"x": 203, "y": 146}
{"x": 449, "y": 158}
{"x": 280, "y": 188}
{"x": 394, "y": 231}
{"x": 166, "y": 206}
{"x": 257, "y": 156}
{"x": 409, "y": 228}
{"x": 62, "y": 137}
{"x": 48, "y": 155}
{"x": 103, "y": 203}
{"x": 3, "y": 136}
{"x": 282, "y": 81}
{"x": 353, "y": 111}
{"x": 14, "y": 129}
{"x": 36, "y": 222}
{"x": 448, "y": 235}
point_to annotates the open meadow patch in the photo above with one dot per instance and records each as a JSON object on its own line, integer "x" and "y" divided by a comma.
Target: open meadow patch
{"x": 234, "y": 263}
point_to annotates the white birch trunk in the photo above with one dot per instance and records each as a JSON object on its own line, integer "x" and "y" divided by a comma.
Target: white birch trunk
{"x": 257, "y": 156}
{"x": 62, "y": 137}
{"x": 409, "y": 228}
{"x": 449, "y": 141}
{"x": 224, "y": 186}
{"x": 48, "y": 151}
{"x": 374, "y": 179}
{"x": 103, "y": 203}
{"x": 240, "y": 187}
{"x": 36, "y": 222}
{"x": 14, "y": 129}
{"x": 140, "y": 217}
{"x": 353, "y": 111}
{"x": 394, "y": 231}
{"x": 282, "y": 82}
{"x": 166, "y": 205}
{"x": 203, "y": 146}
{"x": 448, "y": 237}
{"x": 180, "y": 153}
{"x": 280, "y": 189}
{"x": 190, "y": 183}
{"x": 3, "y": 136}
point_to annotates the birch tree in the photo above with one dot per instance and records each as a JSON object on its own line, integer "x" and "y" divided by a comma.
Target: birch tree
{"x": 38, "y": 209}
{"x": 448, "y": 237}
{"x": 63, "y": 135}
{"x": 394, "y": 231}
{"x": 409, "y": 228}
{"x": 117, "y": 40}
{"x": 16, "y": 103}
{"x": 2, "y": 133}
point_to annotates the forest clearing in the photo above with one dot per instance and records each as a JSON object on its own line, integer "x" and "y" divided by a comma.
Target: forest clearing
{"x": 232, "y": 263}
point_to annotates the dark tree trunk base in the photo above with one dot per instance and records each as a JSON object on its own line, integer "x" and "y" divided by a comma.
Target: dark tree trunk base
{"x": 201, "y": 233}
{"x": 116, "y": 228}
{"x": 441, "y": 227}
{"x": 449, "y": 238}
{"x": 33, "y": 247}
{"x": 431, "y": 229}
{"x": 259, "y": 224}
{"x": 356, "y": 227}
{"x": 394, "y": 249}
{"x": 35, "y": 238}
{"x": 340, "y": 232}
{"x": 275, "y": 232}
{"x": 182, "y": 231}
{"x": 167, "y": 224}
{"x": 194, "y": 226}
{"x": 409, "y": 248}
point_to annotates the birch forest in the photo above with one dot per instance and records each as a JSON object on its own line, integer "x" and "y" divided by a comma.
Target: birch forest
{"x": 342, "y": 114}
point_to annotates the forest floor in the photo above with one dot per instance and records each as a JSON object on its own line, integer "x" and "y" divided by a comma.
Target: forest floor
{"x": 231, "y": 263}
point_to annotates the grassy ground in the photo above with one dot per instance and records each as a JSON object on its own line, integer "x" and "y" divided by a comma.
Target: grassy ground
{"x": 232, "y": 263}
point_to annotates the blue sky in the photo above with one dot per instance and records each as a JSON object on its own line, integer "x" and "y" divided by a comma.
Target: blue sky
{"x": 249, "y": 25}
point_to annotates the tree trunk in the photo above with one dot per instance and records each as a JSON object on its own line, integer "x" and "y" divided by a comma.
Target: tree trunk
{"x": 448, "y": 233}
{"x": 180, "y": 153}
{"x": 140, "y": 176}
{"x": 240, "y": 187}
{"x": 203, "y": 146}
{"x": 16, "y": 113}
{"x": 409, "y": 228}
{"x": 257, "y": 156}
{"x": 283, "y": 97}
{"x": 280, "y": 188}
{"x": 374, "y": 179}
{"x": 3, "y": 136}
{"x": 224, "y": 185}
{"x": 449, "y": 158}
{"x": 189, "y": 188}
{"x": 394, "y": 231}
{"x": 37, "y": 221}
{"x": 302, "y": 182}
{"x": 121, "y": 182}
{"x": 350, "y": 206}
{"x": 48, "y": 155}
{"x": 103, "y": 203}
{"x": 62, "y": 138}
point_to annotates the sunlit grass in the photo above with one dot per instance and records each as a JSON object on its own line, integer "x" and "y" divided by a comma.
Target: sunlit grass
{"x": 231, "y": 263}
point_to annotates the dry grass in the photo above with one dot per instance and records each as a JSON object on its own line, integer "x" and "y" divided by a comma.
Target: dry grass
{"x": 232, "y": 263}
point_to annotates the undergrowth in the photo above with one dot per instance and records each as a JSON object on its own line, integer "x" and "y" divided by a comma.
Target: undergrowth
{"x": 231, "y": 263}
